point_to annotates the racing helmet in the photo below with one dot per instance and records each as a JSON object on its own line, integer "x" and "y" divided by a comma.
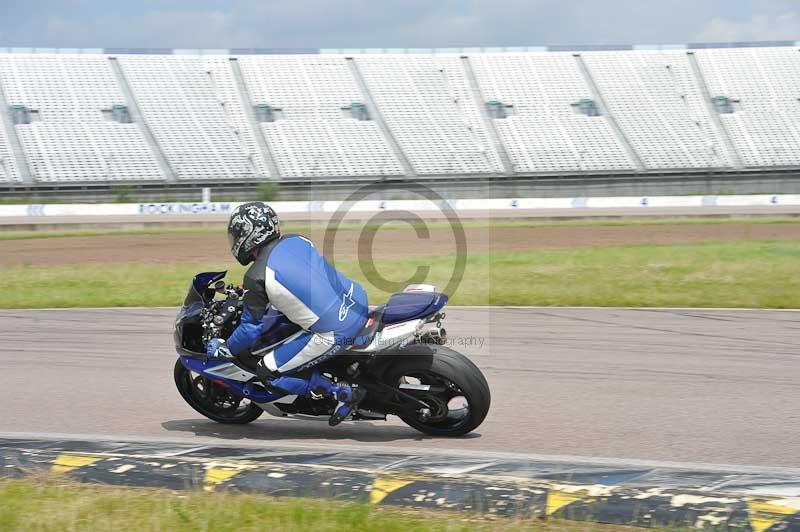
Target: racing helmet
{"x": 252, "y": 225}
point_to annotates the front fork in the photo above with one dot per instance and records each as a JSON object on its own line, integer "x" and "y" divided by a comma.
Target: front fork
{"x": 247, "y": 390}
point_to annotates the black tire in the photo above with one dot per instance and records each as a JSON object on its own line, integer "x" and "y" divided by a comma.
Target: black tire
{"x": 187, "y": 389}
{"x": 452, "y": 366}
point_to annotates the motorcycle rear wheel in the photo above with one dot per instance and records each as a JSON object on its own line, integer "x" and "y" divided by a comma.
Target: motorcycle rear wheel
{"x": 213, "y": 400}
{"x": 464, "y": 402}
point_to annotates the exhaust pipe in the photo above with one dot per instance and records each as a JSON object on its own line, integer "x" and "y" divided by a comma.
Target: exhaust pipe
{"x": 436, "y": 336}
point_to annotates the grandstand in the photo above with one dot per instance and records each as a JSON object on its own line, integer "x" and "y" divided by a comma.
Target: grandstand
{"x": 99, "y": 117}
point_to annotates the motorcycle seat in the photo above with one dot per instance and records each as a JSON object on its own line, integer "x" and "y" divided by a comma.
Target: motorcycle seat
{"x": 406, "y": 306}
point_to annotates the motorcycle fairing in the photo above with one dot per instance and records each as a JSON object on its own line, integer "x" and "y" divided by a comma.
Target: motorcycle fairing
{"x": 400, "y": 318}
{"x": 199, "y": 294}
{"x": 248, "y": 389}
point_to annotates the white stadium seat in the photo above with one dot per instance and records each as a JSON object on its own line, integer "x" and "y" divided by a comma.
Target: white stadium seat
{"x": 70, "y": 140}
{"x": 659, "y": 106}
{"x": 764, "y": 127}
{"x": 427, "y": 104}
{"x": 314, "y": 136}
{"x": 543, "y": 133}
{"x": 8, "y": 165}
{"x": 177, "y": 97}
{"x": 211, "y": 116}
{"x": 224, "y": 84}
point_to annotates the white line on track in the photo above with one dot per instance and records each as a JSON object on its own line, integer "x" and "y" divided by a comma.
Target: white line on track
{"x": 487, "y": 455}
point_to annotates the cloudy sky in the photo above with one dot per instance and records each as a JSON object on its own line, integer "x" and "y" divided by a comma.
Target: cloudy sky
{"x": 389, "y": 23}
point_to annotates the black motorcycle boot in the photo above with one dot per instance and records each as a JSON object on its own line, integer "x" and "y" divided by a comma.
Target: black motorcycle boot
{"x": 348, "y": 397}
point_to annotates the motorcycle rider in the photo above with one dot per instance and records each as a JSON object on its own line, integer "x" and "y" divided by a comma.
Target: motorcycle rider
{"x": 290, "y": 280}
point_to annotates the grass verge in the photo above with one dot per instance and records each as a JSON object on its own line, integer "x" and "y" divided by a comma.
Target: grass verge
{"x": 63, "y": 505}
{"x": 356, "y": 225}
{"x": 738, "y": 274}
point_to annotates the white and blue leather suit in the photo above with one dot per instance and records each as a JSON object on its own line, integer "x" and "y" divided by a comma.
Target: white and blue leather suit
{"x": 290, "y": 280}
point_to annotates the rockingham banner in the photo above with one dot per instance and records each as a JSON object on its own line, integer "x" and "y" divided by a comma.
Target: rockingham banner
{"x": 421, "y": 205}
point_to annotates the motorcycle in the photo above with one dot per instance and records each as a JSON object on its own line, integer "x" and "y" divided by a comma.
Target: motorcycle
{"x": 399, "y": 358}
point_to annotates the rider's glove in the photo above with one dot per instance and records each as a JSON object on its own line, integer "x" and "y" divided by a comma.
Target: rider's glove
{"x": 218, "y": 349}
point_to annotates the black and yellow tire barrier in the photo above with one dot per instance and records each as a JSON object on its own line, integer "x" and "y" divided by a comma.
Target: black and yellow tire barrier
{"x": 644, "y": 497}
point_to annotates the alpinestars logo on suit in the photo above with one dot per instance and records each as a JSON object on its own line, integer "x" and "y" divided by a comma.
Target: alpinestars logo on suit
{"x": 347, "y": 303}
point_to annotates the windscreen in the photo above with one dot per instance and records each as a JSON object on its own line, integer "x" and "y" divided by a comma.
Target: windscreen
{"x": 200, "y": 283}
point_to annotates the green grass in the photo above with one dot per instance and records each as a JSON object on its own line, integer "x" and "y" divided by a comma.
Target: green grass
{"x": 28, "y": 235}
{"x": 739, "y": 274}
{"x": 303, "y": 227}
{"x": 59, "y": 505}
{"x": 27, "y": 200}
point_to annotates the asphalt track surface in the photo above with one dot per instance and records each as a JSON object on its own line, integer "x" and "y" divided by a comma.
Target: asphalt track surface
{"x": 702, "y": 386}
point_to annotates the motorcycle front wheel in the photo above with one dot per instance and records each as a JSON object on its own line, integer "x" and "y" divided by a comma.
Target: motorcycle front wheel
{"x": 213, "y": 400}
{"x": 454, "y": 389}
